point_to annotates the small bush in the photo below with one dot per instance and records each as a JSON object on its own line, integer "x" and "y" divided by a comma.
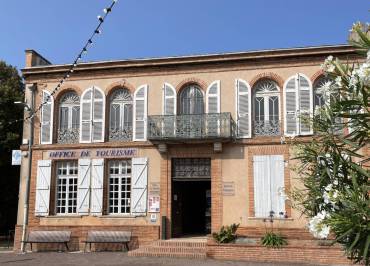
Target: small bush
{"x": 272, "y": 240}
{"x": 226, "y": 234}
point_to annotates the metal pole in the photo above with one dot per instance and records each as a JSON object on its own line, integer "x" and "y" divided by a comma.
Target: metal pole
{"x": 28, "y": 178}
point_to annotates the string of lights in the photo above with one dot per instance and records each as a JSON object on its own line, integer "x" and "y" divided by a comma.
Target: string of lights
{"x": 69, "y": 72}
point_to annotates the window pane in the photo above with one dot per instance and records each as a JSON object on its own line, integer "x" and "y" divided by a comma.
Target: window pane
{"x": 114, "y": 116}
{"x": 259, "y": 109}
{"x": 75, "y": 116}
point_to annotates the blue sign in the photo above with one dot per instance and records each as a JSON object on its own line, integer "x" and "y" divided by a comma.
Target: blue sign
{"x": 16, "y": 157}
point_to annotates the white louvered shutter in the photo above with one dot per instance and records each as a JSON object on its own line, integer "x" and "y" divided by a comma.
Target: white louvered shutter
{"x": 169, "y": 100}
{"x": 305, "y": 105}
{"x": 277, "y": 184}
{"x": 213, "y": 98}
{"x": 97, "y": 181}
{"x": 290, "y": 107}
{"x": 86, "y": 117}
{"x": 47, "y": 118}
{"x": 140, "y": 113}
{"x": 43, "y": 187}
{"x": 98, "y": 116}
{"x": 243, "y": 109}
{"x": 139, "y": 184}
{"x": 83, "y": 189}
{"x": 262, "y": 196}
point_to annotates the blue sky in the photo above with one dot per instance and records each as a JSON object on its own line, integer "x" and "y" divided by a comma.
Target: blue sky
{"x": 146, "y": 28}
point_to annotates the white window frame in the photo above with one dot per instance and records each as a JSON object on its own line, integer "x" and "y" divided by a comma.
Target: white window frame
{"x": 70, "y": 107}
{"x": 208, "y": 94}
{"x": 120, "y": 177}
{"x": 164, "y": 97}
{"x": 266, "y": 101}
{"x": 67, "y": 177}
{"x": 122, "y": 112}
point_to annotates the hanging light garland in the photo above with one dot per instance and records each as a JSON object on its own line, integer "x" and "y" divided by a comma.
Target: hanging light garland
{"x": 71, "y": 69}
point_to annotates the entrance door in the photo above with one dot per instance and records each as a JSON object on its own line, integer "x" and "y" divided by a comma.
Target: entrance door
{"x": 191, "y": 197}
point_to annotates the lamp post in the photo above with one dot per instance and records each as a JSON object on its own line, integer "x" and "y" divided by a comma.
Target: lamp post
{"x": 29, "y": 108}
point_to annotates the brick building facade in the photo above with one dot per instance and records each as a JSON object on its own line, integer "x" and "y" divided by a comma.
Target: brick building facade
{"x": 170, "y": 147}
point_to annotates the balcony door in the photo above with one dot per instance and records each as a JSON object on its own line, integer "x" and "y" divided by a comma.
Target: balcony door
{"x": 191, "y": 109}
{"x": 266, "y": 108}
{"x": 191, "y": 101}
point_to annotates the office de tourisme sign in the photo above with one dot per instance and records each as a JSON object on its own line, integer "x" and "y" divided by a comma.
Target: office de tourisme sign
{"x": 91, "y": 153}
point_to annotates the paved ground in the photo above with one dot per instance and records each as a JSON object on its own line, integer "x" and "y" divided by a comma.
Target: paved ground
{"x": 111, "y": 258}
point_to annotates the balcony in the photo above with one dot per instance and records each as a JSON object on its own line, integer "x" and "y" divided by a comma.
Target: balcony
{"x": 120, "y": 134}
{"x": 68, "y": 135}
{"x": 217, "y": 126}
{"x": 266, "y": 127}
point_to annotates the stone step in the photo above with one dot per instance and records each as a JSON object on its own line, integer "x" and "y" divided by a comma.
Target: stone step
{"x": 166, "y": 254}
{"x": 170, "y": 243}
{"x": 173, "y": 249}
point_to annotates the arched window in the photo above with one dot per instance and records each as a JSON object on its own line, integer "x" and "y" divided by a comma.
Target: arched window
{"x": 69, "y": 118}
{"x": 266, "y": 107}
{"x": 120, "y": 119}
{"x": 191, "y": 100}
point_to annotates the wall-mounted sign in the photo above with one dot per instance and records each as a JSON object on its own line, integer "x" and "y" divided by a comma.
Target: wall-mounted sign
{"x": 228, "y": 188}
{"x": 91, "y": 153}
{"x": 154, "y": 188}
{"x": 153, "y": 203}
{"x": 16, "y": 157}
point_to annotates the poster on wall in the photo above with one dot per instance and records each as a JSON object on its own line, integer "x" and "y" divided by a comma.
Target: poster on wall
{"x": 153, "y": 203}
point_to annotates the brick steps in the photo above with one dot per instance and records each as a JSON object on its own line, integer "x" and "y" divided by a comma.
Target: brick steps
{"x": 172, "y": 249}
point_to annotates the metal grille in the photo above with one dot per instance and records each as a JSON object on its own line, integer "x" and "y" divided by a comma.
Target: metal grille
{"x": 119, "y": 186}
{"x": 67, "y": 177}
{"x": 192, "y": 168}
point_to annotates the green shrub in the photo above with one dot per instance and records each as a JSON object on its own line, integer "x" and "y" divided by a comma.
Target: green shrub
{"x": 272, "y": 240}
{"x": 226, "y": 234}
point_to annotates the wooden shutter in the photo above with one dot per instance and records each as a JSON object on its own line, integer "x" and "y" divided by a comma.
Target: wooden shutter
{"x": 86, "y": 116}
{"x": 139, "y": 183}
{"x": 276, "y": 165}
{"x": 98, "y": 115}
{"x": 97, "y": 181}
{"x": 47, "y": 118}
{"x": 305, "y": 105}
{"x": 140, "y": 113}
{"x": 169, "y": 99}
{"x": 43, "y": 187}
{"x": 243, "y": 100}
{"x": 262, "y": 196}
{"x": 213, "y": 98}
{"x": 290, "y": 107}
{"x": 83, "y": 189}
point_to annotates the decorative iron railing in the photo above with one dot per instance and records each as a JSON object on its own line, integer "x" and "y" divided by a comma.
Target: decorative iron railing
{"x": 266, "y": 127}
{"x": 187, "y": 127}
{"x": 120, "y": 134}
{"x": 68, "y": 136}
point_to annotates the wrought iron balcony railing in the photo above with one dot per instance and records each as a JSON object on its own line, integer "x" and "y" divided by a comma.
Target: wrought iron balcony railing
{"x": 124, "y": 134}
{"x": 191, "y": 127}
{"x": 68, "y": 136}
{"x": 266, "y": 127}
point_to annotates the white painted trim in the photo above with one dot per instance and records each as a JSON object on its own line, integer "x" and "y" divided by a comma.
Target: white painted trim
{"x": 311, "y": 103}
{"x": 284, "y": 103}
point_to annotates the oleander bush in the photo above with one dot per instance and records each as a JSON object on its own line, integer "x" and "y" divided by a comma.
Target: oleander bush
{"x": 334, "y": 167}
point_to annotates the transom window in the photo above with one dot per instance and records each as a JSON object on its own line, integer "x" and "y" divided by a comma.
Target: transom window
{"x": 69, "y": 118}
{"x": 120, "y": 124}
{"x": 119, "y": 186}
{"x": 66, "y": 194}
{"x": 191, "y": 100}
{"x": 266, "y": 108}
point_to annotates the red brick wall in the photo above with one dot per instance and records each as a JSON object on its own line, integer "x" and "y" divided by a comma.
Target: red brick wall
{"x": 318, "y": 255}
